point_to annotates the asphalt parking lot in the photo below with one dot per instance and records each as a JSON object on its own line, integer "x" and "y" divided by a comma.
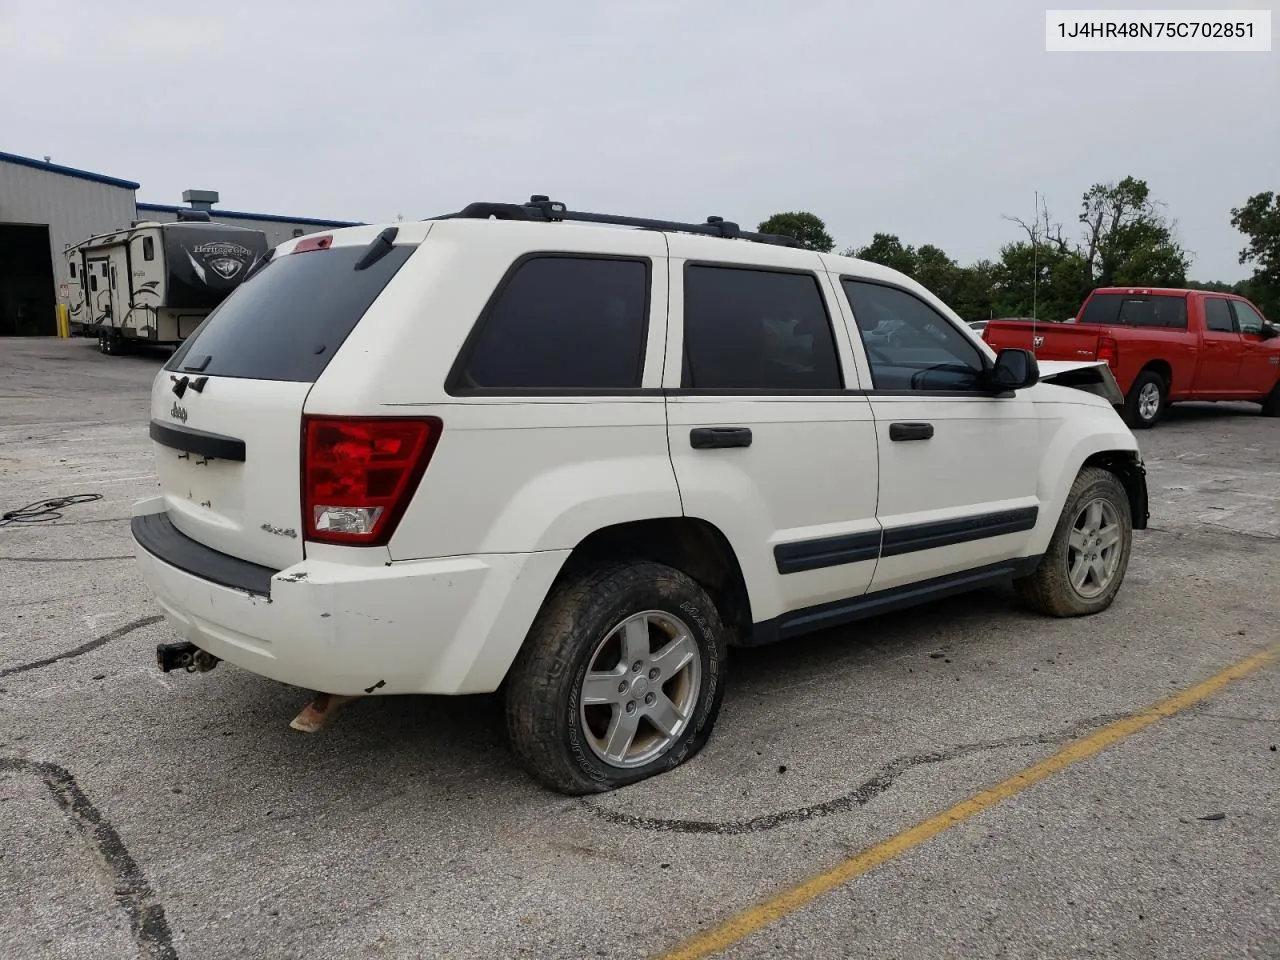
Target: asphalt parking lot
{"x": 152, "y": 815}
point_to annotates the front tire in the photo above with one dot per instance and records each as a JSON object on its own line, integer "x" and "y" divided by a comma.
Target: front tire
{"x": 1088, "y": 556}
{"x": 1145, "y": 404}
{"x": 1271, "y": 405}
{"x": 582, "y": 717}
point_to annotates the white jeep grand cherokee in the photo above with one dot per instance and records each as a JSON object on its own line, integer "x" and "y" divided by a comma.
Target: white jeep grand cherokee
{"x": 506, "y": 449}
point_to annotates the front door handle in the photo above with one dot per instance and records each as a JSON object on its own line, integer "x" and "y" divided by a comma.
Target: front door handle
{"x": 718, "y": 438}
{"x": 910, "y": 431}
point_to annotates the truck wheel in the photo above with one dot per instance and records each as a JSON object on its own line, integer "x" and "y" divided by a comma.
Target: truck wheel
{"x": 1145, "y": 403}
{"x": 1271, "y": 405}
{"x": 1089, "y": 553}
{"x": 620, "y": 677}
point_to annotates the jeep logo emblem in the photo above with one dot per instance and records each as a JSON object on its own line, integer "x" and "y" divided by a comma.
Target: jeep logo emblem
{"x": 178, "y": 413}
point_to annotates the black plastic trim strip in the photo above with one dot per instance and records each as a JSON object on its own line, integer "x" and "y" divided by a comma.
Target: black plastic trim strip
{"x": 215, "y": 446}
{"x": 534, "y": 393}
{"x": 841, "y": 612}
{"x": 947, "y": 533}
{"x": 804, "y": 555}
{"x": 784, "y": 392}
{"x": 714, "y": 392}
{"x": 157, "y": 535}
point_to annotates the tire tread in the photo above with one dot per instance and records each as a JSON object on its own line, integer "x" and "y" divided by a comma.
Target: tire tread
{"x": 1046, "y": 590}
{"x": 545, "y": 664}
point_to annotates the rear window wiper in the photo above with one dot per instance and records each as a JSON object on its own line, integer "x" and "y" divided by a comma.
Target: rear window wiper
{"x": 198, "y": 364}
{"x": 378, "y": 249}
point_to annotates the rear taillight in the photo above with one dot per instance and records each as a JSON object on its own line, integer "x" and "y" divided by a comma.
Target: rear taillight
{"x": 359, "y": 474}
{"x": 1109, "y": 351}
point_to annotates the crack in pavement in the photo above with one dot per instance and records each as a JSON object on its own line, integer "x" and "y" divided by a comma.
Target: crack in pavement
{"x": 859, "y": 796}
{"x": 132, "y": 892}
{"x": 84, "y": 648}
{"x": 123, "y": 556}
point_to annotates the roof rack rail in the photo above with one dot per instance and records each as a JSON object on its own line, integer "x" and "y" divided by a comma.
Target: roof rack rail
{"x": 543, "y": 209}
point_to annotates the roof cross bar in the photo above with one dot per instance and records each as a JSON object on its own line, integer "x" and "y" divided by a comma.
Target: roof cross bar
{"x": 544, "y": 210}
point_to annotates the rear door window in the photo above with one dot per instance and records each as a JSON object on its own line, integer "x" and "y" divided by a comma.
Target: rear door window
{"x": 756, "y": 330}
{"x": 561, "y": 322}
{"x": 1217, "y": 315}
{"x": 287, "y": 321}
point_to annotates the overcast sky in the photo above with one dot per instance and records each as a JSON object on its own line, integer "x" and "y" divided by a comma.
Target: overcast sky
{"x": 925, "y": 119}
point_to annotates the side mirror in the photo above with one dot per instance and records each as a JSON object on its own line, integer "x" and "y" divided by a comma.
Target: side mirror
{"x": 1269, "y": 331}
{"x": 1015, "y": 369}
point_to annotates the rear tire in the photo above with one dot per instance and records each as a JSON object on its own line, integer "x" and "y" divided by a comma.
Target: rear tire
{"x": 1088, "y": 556}
{"x": 1145, "y": 404}
{"x": 568, "y": 729}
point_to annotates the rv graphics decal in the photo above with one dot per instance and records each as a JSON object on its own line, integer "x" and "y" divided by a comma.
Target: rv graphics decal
{"x": 202, "y": 267}
{"x": 225, "y": 259}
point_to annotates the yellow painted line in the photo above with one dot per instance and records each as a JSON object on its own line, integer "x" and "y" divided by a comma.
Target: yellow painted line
{"x": 749, "y": 921}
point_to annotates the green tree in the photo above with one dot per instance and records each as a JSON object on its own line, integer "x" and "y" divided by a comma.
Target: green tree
{"x": 808, "y": 228}
{"x": 1214, "y": 286}
{"x": 938, "y": 273}
{"x": 1045, "y": 276}
{"x": 887, "y": 250}
{"x": 975, "y": 291}
{"x": 966, "y": 290}
{"x": 1038, "y": 281}
{"x": 1127, "y": 240}
{"x": 1259, "y": 221}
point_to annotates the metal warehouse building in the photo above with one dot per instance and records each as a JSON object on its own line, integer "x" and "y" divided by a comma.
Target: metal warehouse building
{"x": 45, "y": 207}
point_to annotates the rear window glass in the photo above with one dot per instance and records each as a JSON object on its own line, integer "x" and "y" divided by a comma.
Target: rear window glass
{"x": 287, "y": 321}
{"x": 1136, "y": 310}
{"x": 562, "y": 322}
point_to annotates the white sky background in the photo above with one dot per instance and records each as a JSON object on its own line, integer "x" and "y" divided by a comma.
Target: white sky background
{"x": 924, "y": 119}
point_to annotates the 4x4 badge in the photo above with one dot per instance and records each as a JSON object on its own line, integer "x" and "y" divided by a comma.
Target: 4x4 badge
{"x": 178, "y": 413}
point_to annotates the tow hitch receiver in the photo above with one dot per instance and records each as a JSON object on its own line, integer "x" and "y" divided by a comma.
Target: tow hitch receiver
{"x": 184, "y": 655}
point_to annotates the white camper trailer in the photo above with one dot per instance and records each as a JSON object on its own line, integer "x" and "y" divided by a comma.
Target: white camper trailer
{"x": 155, "y": 282}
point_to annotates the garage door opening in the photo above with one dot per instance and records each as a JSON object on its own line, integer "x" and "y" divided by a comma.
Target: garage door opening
{"x": 27, "y": 304}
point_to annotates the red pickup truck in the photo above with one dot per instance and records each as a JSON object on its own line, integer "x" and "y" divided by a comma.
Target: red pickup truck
{"x": 1163, "y": 346}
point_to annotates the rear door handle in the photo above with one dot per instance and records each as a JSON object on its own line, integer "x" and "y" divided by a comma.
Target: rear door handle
{"x": 910, "y": 431}
{"x": 717, "y": 438}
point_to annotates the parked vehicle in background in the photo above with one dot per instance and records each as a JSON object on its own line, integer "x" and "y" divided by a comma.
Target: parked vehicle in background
{"x": 577, "y": 462}
{"x": 1164, "y": 346}
{"x": 155, "y": 282}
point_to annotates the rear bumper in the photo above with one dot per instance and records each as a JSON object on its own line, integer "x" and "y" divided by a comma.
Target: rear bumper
{"x": 447, "y": 626}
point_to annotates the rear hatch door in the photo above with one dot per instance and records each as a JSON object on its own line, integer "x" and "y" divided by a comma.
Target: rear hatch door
{"x": 226, "y": 411}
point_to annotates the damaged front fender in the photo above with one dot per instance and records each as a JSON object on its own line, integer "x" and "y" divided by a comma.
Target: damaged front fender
{"x": 1091, "y": 376}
